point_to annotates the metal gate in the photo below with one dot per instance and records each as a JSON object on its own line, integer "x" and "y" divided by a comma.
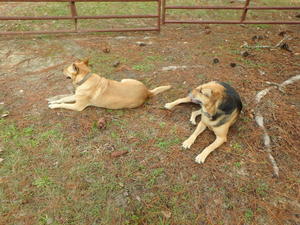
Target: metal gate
{"x": 244, "y": 9}
{"x": 75, "y": 17}
{"x": 161, "y": 6}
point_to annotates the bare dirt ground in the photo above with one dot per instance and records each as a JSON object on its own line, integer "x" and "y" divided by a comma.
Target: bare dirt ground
{"x": 58, "y": 167}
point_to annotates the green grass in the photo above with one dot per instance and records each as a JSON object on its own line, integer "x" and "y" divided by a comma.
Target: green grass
{"x": 154, "y": 58}
{"x": 148, "y": 63}
{"x": 26, "y": 137}
{"x": 144, "y": 67}
{"x": 248, "y": 215}
{"x": 42, "y": 182}
{"x": 238, "y": 165}
{"x": 262, "y": 189}
{"x": 166, "y": 144}
{"x": 236, "y": 146}
{"x": 152, "y": 177}
{"x": 261, "y": 26}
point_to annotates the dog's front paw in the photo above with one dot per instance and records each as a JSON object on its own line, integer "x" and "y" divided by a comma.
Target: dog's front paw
{"x": 52, "y": 102}
{"x": 53, "y": 106}
{"x": 168, "y": 106}
{"x": 193, "y": 121}
{"x": 52, "y": 99}
{"x": 187, "y": 143}
{"x": 200, "y": 158}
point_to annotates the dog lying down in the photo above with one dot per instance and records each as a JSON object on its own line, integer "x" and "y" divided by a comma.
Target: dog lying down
{"x": 93, "y": 90}
{"x": 220, "y": 108}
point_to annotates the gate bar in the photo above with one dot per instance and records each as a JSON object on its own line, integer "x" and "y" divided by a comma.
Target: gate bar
{"x": 243, "y": 17}
{"x": 235, "y": 7}
{"x": 229, "y": 22}
{"x": 78, "y": 0}
{"x": 80, "y": 31}
{"x": 74, "y": 13}
{"x": 74, "y": 17}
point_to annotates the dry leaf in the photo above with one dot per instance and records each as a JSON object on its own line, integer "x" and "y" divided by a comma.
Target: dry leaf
{"x": 118, "y": 153}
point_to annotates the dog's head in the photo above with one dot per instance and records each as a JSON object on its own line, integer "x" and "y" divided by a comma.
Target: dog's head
{"x": 77, "y": 68}
{"x": 208, "y": 95}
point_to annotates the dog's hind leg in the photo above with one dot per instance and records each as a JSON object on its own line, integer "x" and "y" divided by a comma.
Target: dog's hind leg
{"x": 177, "y": 102}
{"x": 188, "y": 142}
{"x": 66, "y": 99}
{"x": 194, "y": 116}
{"x": 221, "y": 137}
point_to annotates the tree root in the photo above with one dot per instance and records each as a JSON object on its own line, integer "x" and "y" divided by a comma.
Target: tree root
{"x": 260, "y": 119}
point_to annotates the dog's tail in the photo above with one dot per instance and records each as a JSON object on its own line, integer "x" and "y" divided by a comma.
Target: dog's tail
{"x": 158, "y": 90}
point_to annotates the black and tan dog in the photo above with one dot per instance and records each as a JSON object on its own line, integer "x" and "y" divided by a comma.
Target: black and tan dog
{"x": 220, "y": 108}
{"x": 94, "y": 90}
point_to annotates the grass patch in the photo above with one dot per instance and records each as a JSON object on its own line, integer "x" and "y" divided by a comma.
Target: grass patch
{"x": 261, "y": 26}
{"x": 236, "y": 146}
{"x": 28, "y": 136}
{"x": 152, "y": 177}
{"x": 166, "y": 144}
{"x": 144, "y": 67}
{"x": 238, "y": 165}
{"x": 248, "y": 215}
{"x": 262, "y": 189}
{"x": 148, "y": 63}
{"x": 42, "y": 182}
{"x": 251, "y": 63}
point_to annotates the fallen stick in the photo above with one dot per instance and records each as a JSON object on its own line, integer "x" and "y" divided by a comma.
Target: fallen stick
{"x": 245, "y": 45}
{"x": 259, "y": 119}
{"x": 172, "y": 68}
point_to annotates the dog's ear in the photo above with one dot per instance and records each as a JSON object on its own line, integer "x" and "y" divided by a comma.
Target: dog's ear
{"x": 207, "y": 92}
{"x": 75, "y": 68}
{"x": 86, "y": 61}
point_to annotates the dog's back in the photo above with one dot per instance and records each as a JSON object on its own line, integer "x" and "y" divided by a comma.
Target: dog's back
{"x": 231, "y": 101}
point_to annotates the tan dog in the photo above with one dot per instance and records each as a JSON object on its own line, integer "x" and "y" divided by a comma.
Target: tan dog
{"x": 220, "y": 107}
{"x": 93, "y": 90}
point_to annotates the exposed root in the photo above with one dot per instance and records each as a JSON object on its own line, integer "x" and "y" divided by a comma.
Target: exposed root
{"x": 260, "y": 119}
{"x": 267, "y": 142}
{"x": 278, "y": 86}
